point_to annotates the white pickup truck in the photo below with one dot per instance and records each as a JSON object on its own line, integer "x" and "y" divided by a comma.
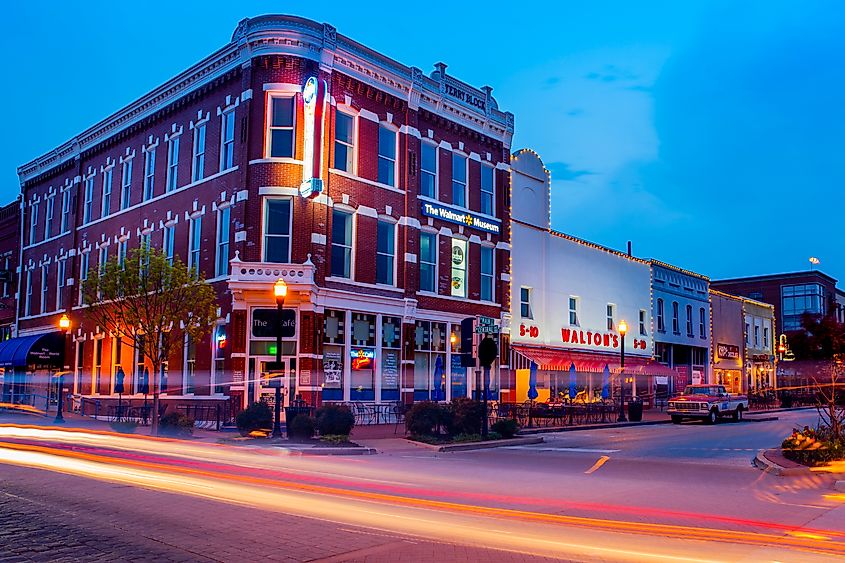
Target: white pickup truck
{"x": 707, "y": 402}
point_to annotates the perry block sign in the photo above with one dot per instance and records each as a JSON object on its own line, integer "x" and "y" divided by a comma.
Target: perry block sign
{"x": 314, "y": 96}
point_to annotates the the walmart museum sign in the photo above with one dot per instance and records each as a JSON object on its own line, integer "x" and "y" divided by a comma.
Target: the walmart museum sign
{"x": 461, "y": 217}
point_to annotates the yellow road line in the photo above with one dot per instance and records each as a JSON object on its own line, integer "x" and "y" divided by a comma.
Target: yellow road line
{"x": 602, "y": 460}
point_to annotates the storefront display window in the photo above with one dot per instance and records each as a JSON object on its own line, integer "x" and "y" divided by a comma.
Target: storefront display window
{"x": 459, "y": 372}
{"x": 333, "y": 338}
{"x": 363, "y": 357}
{"x": 391, "y": 332}
{"x": 429, "y": 361}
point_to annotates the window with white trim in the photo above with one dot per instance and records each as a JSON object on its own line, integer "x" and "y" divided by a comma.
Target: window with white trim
{"x": 194, "y": 242}
{"x": 198, "y": 160}
{"x": 190, "y": 365}
{"x": 459, "y": 180}
{"x": 661, "y": 324}
{"x": 227, "y": 140}
{"x": 61, "y": 274}
{"x": 107, "y": 180}
{"x": 6, "y": 282}
{"x": 573, "y": 311}
{"x": 222, "y": 258}
{"x": 486, "y": 273}
{"x": 702, "y": 315}
{"x": 98, "y": 366}
{"x": 386, "y": 155}
{"x": 487, "y": 189}
{"x": 611, "y": 316}
{"x": 65, "y": 223}
{"x": 642, "y": 322}
{"x": 45, "y": 270}
{"x": 689, "y": 320}
{"x": 428, "y": 170}
{"x": 103, "y": 258}
{"x": 33, "y": 222}
{"x": 766, "y": 344}
{"x": 168, "y": 242}
{"x": 27, "y": 305}
{"x": 385, "y": 252}
{"x": 676, "y": 321}
{"x": 126, "y": 184}
{"x": 428, "y": 262}
{"x": 756, "y": 336}
{"x": 280, "y": 136}
{"x": 277, "y": 226}
{"x": 88, "y": 204}
{"x": 144, "y": 244}
{"x": 172, "y": 164}
{"x": 83, "y": 275}
{"x": 341, "y": 265}
{"x": 149, "y": 174}
{"x": 747, "y": 333}
{"x": 122, "y": 250}
{"x": 525, "y": 310}
{"x": 48, "y": 216}
{"x": 344, "y": 141}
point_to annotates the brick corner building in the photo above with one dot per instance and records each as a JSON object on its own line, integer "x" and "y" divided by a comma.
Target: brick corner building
{"x": 379, "y": 194}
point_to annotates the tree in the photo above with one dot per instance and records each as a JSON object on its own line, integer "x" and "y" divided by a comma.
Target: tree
{"x": 152, "y": 301}
{"x": 822, "y": 340}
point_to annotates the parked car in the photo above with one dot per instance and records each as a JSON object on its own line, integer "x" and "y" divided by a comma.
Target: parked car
{"x": 707, "y": 402}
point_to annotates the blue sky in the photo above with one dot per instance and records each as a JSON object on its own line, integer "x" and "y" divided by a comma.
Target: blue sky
{"x": 710, "y": 133}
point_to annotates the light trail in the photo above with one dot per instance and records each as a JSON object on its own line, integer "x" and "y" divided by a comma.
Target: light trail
{"x": 211, "y": 481}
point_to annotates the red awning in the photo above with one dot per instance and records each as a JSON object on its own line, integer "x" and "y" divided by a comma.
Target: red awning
{"x": 555, "y": 359}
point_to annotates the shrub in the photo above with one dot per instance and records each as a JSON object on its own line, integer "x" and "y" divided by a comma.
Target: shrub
{"x": 256, "y": 416}
{"x": 811, "y": 447}
{"x": 427, "y": 419}
{"x": 125, "y": 426}
{"x": 335, "y": 419}
{"x": 176, "y": 424}
{"x": 507, "y": 427}
{"x": 301, "y": 427}
{"x": 467, "y": 416}
{"x": 335, "y": 439}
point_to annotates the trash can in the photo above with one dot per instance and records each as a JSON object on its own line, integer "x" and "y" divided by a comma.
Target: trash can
{"x": 635, "y": 410}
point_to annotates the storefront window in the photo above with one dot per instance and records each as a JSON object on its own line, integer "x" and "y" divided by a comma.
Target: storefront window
{"x": 459, "y": 373}
{"x": 362, "y": 357}
{"x": 334, "y": 327}
{"x": 429, "y": 361}
{"x": 391, "y": 332}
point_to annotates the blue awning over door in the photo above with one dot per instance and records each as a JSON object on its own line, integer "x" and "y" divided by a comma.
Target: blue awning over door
{"x": 34, "y": 350}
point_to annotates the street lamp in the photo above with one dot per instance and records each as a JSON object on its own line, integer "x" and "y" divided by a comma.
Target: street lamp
{"x": 623, "y": 328}
{"x": 280, "y": 291}
{"x": 64, "y": 324}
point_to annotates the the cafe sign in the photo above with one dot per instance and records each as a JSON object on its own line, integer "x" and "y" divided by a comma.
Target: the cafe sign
{"x": 461, "y": 217}
{"x": 727, "y": 351}
{"x": 265, "y": 323}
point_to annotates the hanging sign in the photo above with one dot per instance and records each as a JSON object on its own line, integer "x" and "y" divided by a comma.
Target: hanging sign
{"x": 727, "y": 351}
{"x": 461, "y": 217}
{"x": 265, "y": 323}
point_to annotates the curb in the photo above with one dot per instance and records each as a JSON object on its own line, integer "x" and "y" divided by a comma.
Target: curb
{"x": 553, "y": 429}
{"x": 327, "y": 451}
{"x": 779, "y": 410}
{"x": 480, "y": 445}
{"x": 761, "y": 419}
{"x": 761, "y": 462}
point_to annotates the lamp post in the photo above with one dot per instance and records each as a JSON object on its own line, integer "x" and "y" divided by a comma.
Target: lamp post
{"x": 280, "y": 291}
{"x": 64, "y": 324}
{"x": 623, "y": 328}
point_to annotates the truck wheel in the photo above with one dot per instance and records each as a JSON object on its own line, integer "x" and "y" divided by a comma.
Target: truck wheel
{"x": 676, "y": 419}
{"x": 712, "y": 417}
{"x": 738, "y": 414}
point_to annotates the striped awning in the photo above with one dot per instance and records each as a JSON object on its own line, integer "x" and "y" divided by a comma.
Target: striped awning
{"x": 557, "y": 359}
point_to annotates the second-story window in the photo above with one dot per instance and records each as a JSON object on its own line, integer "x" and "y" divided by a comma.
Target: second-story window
{"x": 65, "y": 223}
{"x": 198, "y": 166}
{"x": 487, "y": 273}
{"x": 642, "y": 322}
{"x": 107, "y": 180}
{"x": 61, "y": 274}
{"x": 428, "y": 170}
{"x": 149, "y": 174}
{"x": 88, "y": 205}
{"x": 459, "y": 180}
{"x": 122, "y": 250}
{"x": 756, "y": 336}
{"x": 573, "y": 312}
{"x": 611, "y": 316}
{"x": 676, "y": 322}
{"x": 194, "y": 243}
{"x": 227, "y": 140}
{"x": 386, "y": 155}
{"x": 27, "y": 304}
{"x": 344, "y": 141}
{"x": 487, "y": 190}
{"x": 83, "y": 275}
{"x": 126, "y": 185}
{"x": 48, "y": 216}
{"x": 223, "y": 217}
{"x": 277, "y": 225}
{"x": 428, "y": 262}
{"x": 661, "y": 324}
{"x": 525, "y": 303}
{"x": 385, "y": 253}
{"x": 172, "y": 164}
{"x": 45, "y": 271}
{"x": 702, "y": 332}
{"x": 689, "y": 320}
{"x": 33, "y": 222}
{"x": 280, "y": 135}
{"x": 341, "y": 244}
{"x": 168, "y": 242}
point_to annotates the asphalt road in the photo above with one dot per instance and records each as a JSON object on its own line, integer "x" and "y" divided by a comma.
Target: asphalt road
{"x": 657, "y": 493}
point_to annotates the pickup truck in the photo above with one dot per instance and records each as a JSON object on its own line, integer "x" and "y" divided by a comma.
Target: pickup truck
{"x": 707, "y": 402}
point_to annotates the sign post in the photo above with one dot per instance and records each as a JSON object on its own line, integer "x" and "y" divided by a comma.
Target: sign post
{"x": 488, "y": 350}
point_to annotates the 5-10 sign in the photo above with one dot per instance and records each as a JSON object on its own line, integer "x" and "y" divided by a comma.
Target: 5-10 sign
{"x": 529, "y": 331}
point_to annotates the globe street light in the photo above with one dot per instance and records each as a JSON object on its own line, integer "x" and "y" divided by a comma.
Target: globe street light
{"x": 280, "y": 291}
{"x": 64, "y": 324}
{"x": 623, "y": 328}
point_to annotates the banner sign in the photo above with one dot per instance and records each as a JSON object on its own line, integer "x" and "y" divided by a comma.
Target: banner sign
{"x": 461, "y": 217}
{"x": 727, "y": 351}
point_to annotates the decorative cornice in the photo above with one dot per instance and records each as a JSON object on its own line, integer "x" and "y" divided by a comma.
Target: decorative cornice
{"x": 300, "y": 37}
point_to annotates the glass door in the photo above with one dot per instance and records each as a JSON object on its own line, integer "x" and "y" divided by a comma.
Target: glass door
{"x": 268, "y": 378}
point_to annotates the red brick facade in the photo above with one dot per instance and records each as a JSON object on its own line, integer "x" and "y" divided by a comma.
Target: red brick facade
{"x": 243, "y": 77}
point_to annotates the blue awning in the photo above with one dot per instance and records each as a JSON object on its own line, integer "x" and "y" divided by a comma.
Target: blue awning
{"x": 34, "y": 350}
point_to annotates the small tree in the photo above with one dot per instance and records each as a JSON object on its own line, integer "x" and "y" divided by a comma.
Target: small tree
{"x": 146, "y": 295}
